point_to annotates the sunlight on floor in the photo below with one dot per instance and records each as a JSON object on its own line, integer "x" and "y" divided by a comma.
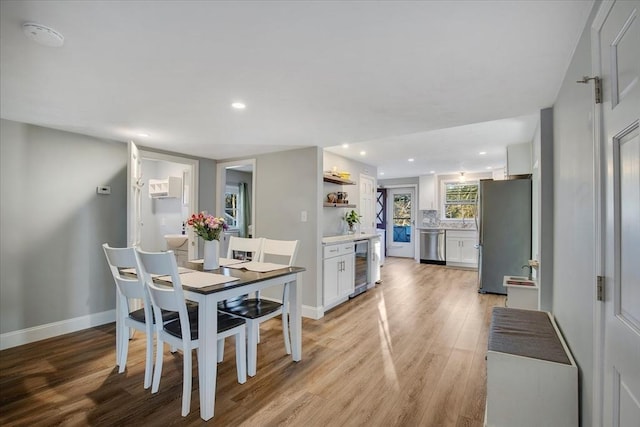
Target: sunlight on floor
{"x": 386, "y": 346}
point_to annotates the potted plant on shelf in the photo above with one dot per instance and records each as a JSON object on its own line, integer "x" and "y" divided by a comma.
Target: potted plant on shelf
{"x": 210, "y": 228}
{"x": 352, "y": 218}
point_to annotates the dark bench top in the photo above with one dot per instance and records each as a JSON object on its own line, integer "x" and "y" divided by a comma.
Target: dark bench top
{"x": 525, "y": 333}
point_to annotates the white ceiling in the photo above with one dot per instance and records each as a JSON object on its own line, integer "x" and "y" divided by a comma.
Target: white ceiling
{"x": 396, "y": 79}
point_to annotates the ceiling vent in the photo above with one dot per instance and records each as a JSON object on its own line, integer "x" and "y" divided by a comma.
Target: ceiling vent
{"x": 43, "y": 35}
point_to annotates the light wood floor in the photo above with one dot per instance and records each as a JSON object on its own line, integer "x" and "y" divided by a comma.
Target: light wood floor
{"x": 410, "y": 352}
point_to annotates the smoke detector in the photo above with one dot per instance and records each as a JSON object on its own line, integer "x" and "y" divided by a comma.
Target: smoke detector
{"x": 43, "y": 35}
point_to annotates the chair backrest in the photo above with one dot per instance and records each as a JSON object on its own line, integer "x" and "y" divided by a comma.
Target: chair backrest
{"x": 164, "y": 297}
{"x": 277, "y": 250}
{"x": 128, "y": 287}
{"x": 242, "y": 244}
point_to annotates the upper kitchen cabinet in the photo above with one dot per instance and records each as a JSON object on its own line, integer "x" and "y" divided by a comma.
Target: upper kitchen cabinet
{"x": 427, "y": 199}
{"x": 519, "y": 159}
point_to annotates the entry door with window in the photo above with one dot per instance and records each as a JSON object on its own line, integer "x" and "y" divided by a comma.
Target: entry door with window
{"x": 619, "y": 36}
{"x": 401, "y": 222}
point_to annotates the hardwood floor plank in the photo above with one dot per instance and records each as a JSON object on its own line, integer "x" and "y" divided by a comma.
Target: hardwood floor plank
{"x": 409, "y": 352}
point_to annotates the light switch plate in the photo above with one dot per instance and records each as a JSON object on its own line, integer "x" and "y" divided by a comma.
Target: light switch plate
{"x": 303, "y": 216}
{"x": 103, "y": 189}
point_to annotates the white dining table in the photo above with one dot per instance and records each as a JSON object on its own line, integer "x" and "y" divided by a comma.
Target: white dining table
{"x": 208, "y": 297}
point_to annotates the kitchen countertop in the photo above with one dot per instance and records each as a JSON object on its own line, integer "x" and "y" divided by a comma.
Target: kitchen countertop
{"x": 446, "y": 227}
{"x": 343, "y": 238}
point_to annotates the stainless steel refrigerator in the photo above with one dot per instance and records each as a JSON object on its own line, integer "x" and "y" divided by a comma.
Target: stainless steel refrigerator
{"x": 504, "y": 232}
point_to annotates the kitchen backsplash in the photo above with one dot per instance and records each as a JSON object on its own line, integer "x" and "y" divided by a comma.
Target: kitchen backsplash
{"x": 431, "y": 218}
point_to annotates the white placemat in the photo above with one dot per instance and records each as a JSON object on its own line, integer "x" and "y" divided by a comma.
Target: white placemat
{"x": 260, "y": 267}
{"x": 224, "y": 262}
{"x": 201, "y": 279}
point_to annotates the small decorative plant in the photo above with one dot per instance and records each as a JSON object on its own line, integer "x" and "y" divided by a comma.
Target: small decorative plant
{"x": 352, "y": 218}
{"x": 208, "y": 227}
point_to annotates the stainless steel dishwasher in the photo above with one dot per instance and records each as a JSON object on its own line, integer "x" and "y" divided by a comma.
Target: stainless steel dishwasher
{"x": 432, "y": 249}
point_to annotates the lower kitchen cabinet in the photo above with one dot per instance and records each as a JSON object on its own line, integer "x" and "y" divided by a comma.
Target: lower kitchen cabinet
{"x": 338, "y": 273}
{"x": 461, "y": 248}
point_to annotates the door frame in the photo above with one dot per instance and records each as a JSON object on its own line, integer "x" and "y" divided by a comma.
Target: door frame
{"x": 221, "y": 177}
{"x": 416, "y": 248}
{"x": 193, "y": 187}
{"x": 599, "y": 183}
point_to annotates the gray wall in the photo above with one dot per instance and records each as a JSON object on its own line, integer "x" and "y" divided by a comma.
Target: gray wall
{"x": 574, "y": 208}
{"x": 287, "y": 183}
{"x": 53, "y": 223}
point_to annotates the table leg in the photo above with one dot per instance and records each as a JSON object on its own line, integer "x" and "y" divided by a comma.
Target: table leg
{"x": 295, "y": 317}
{"x": 208, "y": 355}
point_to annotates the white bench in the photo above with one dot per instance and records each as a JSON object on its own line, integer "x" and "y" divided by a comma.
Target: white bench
{"x": 532, "y": 379}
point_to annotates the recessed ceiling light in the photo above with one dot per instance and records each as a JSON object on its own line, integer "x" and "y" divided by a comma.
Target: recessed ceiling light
{"x": 381, "y": 173}
{"x": 144, "y": 135}
{"x": 239, "y": 105}
{"x": 482, "y": 153}
{"x": 489, "y": 167}
{"x": 411, "y": 159}
{"x": 432, "y": 171}
{"x": 345, "y": 145}
{"x": 362, "y": 153}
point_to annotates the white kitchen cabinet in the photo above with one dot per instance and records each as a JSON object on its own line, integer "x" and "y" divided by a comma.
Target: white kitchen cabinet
{"x": 519, "y": 159}
{"x": 427, "y": 199}
{"x": 460, "y": 248}
{"x": 338, "y": 273}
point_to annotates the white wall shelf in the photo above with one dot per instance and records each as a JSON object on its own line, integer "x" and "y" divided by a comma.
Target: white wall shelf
{"x": 164, "y": 188}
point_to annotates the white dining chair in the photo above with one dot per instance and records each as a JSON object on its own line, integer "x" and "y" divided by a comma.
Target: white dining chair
{"x": 183, "y": 332}
{"x": 128, "y": 290}
{"x": 243, "y": 245}
{"x": 257, "y": 310}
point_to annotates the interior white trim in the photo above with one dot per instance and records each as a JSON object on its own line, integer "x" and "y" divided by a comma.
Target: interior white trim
{"x": 221, "y": 177}
{"x": 50, "y": 330}
{"x": 599, "y": 217}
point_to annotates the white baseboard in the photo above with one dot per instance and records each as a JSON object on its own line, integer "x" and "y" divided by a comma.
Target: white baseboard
{"x": 50, "y": 330}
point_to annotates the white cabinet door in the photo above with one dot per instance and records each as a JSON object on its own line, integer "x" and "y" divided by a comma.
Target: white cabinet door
{"x": 452, "y": 249}
{"x": 346, "y": 281}
{"x": 468, "y": 251}
{"x": 331, "y": 278}
{"x": 427, "y": 192}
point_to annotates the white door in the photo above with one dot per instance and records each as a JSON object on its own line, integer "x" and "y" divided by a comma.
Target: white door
{"x": 620, "y": 70}
{"x": 134, "y": 195}
{"x": 367, "y": 204}
{"x": 401, "y": 222}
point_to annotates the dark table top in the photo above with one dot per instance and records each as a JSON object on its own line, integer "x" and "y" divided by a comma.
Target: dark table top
{"x": 246, "y": 277}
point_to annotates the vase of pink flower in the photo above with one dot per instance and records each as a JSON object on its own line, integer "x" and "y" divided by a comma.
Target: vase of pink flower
{"x": 210, "y": 228}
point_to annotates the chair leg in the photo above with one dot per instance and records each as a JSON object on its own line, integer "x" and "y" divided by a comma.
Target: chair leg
{"x": 241, "y": 355}
{"x": 157, "y": 372}
{"x": 124, "y": 348}
{"x": 252, "y": 349}
{"x": 186, "y": 381}
{"x": 148, "y": 366}
{"x": 285, "y": 332}
{"x": 220, "y": 350}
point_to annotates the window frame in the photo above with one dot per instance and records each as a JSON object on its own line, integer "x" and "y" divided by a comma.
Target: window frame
{"x": 443, "y": 199}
